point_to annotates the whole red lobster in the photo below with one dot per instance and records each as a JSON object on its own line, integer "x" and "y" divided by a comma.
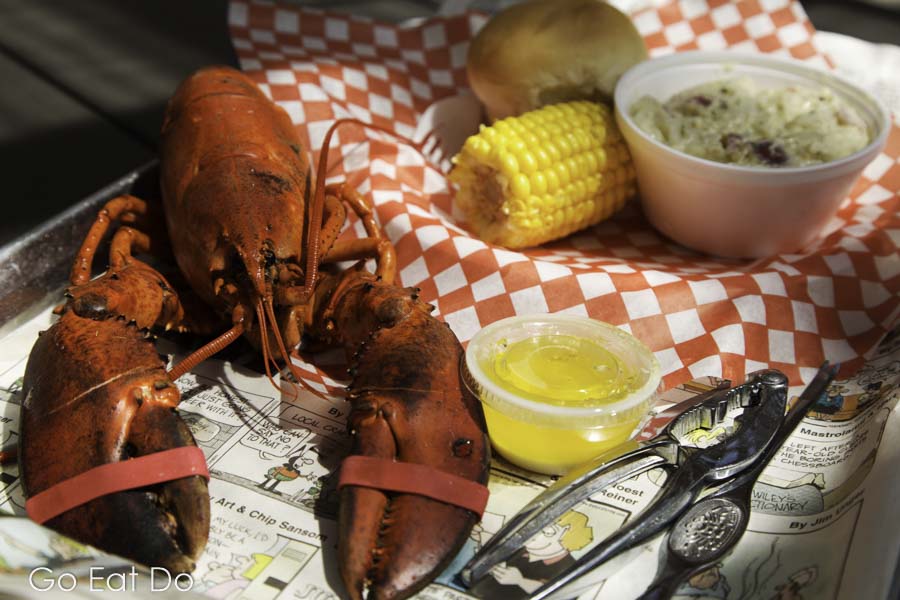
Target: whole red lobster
{"x": 257, "y": 242}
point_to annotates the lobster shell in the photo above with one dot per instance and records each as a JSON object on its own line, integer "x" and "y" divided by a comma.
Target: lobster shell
{"x": 96, "y": 392}
{"x": 242, "y": 221}
{"x": 409, "y": 404}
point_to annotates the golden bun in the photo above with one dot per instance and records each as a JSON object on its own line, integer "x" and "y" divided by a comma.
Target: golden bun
{"x": 546, "y": 51}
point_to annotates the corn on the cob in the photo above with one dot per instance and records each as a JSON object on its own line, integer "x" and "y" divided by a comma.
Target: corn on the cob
{"x": 542, "y": 175}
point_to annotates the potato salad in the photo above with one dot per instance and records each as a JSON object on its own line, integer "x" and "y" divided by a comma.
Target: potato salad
{"x": 735, "y": 121}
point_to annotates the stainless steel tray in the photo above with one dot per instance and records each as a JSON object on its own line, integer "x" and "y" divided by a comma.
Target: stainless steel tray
{"x": 34, "y": 269}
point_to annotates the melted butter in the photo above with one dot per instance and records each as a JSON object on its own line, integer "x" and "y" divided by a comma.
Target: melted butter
{"x": 565, "y": 371}
{"x": 562, "y": 370}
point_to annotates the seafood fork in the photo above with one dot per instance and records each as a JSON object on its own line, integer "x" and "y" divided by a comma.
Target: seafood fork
{"x": 444, "y": 126}
{"x": 721, "y": 475}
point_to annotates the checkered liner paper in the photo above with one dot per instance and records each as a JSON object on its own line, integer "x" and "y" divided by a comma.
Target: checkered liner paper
{"x": 699, "y": 315}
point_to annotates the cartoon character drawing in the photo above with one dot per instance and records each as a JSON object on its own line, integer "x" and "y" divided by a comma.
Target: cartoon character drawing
{"x": 322, "y": 496}
{"x": 872, "y": 391}
{"x": 489, "y": 525}
{"x": 288, "y": 471}
{"x": 225, "y": 581}
{"x": 759, "y": 576}
{"x": 707, "y": 584}
{"x": 309, "y": 497}
{"x": 878, "y": 380}
{"x": 203, "y": 429}
{"x": 833, "y": 400}
{"x": 795, "y": 583}
{"x": 543, "y": 556}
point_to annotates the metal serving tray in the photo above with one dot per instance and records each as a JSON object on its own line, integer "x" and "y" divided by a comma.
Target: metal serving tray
{"x": 34, "y": 269}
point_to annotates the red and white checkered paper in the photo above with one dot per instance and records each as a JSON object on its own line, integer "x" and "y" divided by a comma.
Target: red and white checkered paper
{"x": 699, "y": 315}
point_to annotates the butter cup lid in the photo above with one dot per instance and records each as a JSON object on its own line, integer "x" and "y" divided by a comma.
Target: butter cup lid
{"x": 625, "y": 346}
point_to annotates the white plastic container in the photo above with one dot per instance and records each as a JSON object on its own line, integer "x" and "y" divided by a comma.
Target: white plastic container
{"x": 731, "y": 210}
{"x": 539, "y": 435}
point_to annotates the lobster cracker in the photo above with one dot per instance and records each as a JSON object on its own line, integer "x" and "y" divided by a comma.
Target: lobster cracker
{"x": 723, "y": 473}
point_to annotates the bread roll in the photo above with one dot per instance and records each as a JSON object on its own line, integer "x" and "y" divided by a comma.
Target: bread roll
{"x": 546, "y": 51}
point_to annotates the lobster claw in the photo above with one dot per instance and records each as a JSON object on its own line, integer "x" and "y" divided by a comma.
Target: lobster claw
{"x": 409, "y": 407}
{"x": 105, "y": 403}
{"x": 394, "y": 542}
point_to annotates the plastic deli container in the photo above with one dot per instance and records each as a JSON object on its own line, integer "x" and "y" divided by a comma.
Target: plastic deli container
{"x": 733, "y": 210}
{"x": 558, "y": 390}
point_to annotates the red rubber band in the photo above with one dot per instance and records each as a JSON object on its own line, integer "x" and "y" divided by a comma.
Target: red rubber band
{"x": 116, "y": 477}
{"x": 413, "y": 478}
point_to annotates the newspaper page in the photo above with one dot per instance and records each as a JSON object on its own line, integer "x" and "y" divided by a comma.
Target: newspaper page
{"x": 820, "y": 527}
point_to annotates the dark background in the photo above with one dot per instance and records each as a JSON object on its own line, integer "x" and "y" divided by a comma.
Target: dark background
{"x": 84, "y": 84}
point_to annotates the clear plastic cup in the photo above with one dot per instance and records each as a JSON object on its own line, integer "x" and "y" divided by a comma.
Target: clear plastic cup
{"x": 532, "y": 431}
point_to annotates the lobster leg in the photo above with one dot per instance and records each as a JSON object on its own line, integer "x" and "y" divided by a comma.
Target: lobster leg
{"x": 353, "y": 250}
{"x": 409, "y": 406}
{"x": 375, "y": 245}
{"x": 335, "y": 216}
{"x": 122, "y": 208}
{"x": 96, "y": 393}
{"x": 130, "y": 289}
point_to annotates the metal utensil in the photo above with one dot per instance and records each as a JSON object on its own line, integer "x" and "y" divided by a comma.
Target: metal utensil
{"x": 714, "y": 525}
{"x": 754, "y": 416}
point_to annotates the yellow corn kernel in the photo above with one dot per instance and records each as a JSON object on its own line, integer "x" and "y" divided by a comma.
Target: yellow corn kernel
{"x": 539, "y": 183}
{"x": 553, "y": 182}
{"x": 562, "y": 171}
{"x": 538, "y": 177}
{"x": 521, "y": 186}
{"x": 527, "y": 162}
{"x": 509, "y": 166}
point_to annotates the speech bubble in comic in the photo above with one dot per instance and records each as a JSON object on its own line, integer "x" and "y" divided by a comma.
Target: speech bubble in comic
{"x": 220, "y": 403}
{"x": 203, "y": 429}
{"x": 293, "y": 417}
{"x": 271, "y": 441}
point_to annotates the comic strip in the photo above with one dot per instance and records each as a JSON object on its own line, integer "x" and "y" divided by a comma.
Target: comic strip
{"x": 15, "y": 348}
{"x": 823, "y": 462}
{"x": 257, "y": 549}
{"x": 289, "y": 453}
{"x": 274, "y": 455}
{"x": 779, "y": 565}
{"x": 215, "y": 409}
{"x": 9, "y": 439}
{"x": 559, "y": 544}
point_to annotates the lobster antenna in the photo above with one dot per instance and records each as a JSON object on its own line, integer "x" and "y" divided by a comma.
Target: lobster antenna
{"x": 270, "y": 311}
{"x": 264, "y": 345}
{"x": 318, "y": 203}
{"x": 204, "y": 352}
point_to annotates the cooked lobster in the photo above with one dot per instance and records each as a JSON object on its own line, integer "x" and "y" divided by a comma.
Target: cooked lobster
{"x": 257, "y": 241}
